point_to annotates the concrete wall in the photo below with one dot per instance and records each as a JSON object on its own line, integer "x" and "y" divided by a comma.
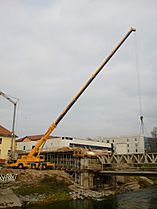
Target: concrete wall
{"x": 25, "y": 146}
{"x": 121, "y": 148}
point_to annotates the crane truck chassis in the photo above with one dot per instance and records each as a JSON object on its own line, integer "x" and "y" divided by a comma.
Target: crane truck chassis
{"x": 33, "y": 158}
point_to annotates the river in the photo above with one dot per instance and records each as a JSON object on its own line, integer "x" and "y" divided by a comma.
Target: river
{"x": 142, "y": 199}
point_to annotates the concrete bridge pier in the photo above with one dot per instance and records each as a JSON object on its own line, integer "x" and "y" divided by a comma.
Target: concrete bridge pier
{"x": 86, "y": 179}
{"x": 94, "y": 180}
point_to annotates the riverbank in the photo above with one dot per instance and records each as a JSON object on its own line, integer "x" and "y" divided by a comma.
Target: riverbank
{"x": 144, "y": 198}
{"x": 34, "y": 187}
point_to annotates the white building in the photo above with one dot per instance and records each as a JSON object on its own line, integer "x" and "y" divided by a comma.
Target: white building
{"x": 126, "y": 144}
{"x": 27, "y": 143}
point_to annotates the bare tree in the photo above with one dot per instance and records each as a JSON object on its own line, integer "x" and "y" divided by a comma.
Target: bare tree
{"x": 154, "y": 132}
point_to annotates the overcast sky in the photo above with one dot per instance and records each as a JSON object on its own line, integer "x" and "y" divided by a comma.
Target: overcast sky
{"x": 48, "y": 50}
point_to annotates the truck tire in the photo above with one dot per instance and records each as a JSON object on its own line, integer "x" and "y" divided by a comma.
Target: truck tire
{"x": 20, "y": 166}
{"x": 33, "y": 166}
{"x": 40, "y": 167}
{"x": 44, "y": 166}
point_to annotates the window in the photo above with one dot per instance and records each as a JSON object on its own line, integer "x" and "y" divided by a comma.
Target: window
{"x": 127, "y": 140}
{"x": 24, "y": 147}
{"x": 90, "y": 147}
{"x": 9, "y": 152}
{"x": 136, "y": 145}
{"x": 113, "y": 140}
{"x": 136, "y": 150}
{"x": 127, "y": 145}
{"x": 128, "y": 150}
{"x": 135, "y": 139}
{"x": 0, "y": 140}
{"x": 108, "y": 141}
{"x": 68, "y": 138}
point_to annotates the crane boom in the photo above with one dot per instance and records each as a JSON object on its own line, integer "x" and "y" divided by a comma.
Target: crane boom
{"x": 13, "y": 124}
{"x": 7, "y": 97}
{"x": 75, "y": 98}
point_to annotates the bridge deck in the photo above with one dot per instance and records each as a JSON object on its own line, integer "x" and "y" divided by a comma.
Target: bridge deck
{"x": 129, "y": 173}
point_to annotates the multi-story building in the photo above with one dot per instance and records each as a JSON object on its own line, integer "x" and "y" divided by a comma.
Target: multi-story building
{"x": 131, "y": 144}
{"x": 27, "y": 143}
{"x": 119, "y": 145}
{"x": 5, "y": 143}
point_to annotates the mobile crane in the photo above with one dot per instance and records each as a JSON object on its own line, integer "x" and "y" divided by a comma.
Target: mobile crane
{"x": 35, "y": 161}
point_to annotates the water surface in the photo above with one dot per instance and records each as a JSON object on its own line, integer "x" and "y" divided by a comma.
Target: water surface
{"x": 143, "y": 199}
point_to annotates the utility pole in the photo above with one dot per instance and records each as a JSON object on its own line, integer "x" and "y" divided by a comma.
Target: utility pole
{"x": 12, "y": 148}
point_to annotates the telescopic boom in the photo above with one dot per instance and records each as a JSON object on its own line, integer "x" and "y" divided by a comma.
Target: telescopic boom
{"x": 75, "y": 98}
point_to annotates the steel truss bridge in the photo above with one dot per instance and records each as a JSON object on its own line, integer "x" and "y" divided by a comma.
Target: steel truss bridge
{"x": 143, "y": 158}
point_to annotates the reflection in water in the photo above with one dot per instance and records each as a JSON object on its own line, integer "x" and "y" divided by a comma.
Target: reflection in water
{"x": 144, "y": 199}
{"x": 82, "y": 204}
{"x": 92, "y": 204}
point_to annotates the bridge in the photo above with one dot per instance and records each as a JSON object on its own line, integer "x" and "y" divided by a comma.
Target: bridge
{"x": 91, "y": 170}
{"x": 143, "y": 158}
{"x": 129, "y": 173}
{"x": 144, "y": 164}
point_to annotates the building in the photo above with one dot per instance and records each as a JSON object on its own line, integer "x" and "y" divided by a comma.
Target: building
{"x": 131, "y": 144}
{"x": 126, "y": 144}
{"x": 27, "y": 143}
{"x": 150, "y": 145}
{"x": 5, "y": 143}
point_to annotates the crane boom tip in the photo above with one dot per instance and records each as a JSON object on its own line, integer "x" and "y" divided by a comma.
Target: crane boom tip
{"x": 132, "y": 29}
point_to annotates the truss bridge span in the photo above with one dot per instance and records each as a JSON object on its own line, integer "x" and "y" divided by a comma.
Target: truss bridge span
{"x": 143, "y": 158}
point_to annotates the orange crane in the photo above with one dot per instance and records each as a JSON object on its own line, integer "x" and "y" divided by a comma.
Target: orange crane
{"x": 33, "y": 159}
{"x": 13, "y": 124}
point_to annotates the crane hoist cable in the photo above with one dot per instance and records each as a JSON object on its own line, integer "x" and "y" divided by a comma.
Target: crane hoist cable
{"x": 139, "y": 88}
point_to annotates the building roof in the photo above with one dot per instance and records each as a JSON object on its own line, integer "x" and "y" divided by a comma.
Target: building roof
{"x": 4, "y": 132}
{"x": 34, "y": 138}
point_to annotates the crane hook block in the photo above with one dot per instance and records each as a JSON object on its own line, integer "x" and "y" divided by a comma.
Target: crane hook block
{"x": 141, "y": 118}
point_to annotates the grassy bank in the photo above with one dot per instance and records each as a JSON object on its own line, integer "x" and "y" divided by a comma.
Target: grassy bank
{"x": 45, "y": 191}
{"x": 41, "y": 187}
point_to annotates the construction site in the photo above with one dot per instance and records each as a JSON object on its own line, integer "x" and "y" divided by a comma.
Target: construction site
{"x": 65, "y": 168}
{"x": 82, "y": 161}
